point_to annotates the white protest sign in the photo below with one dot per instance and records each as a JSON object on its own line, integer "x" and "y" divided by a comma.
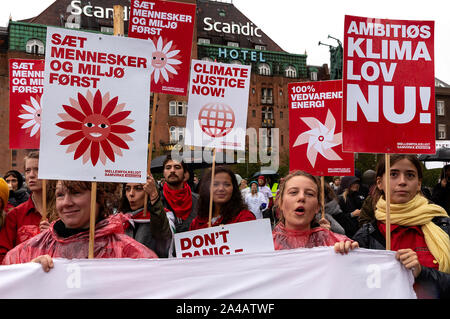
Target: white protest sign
{"x": 218, "y": 103}
{"x": 288, "y": 274}
{"x": 246, "y": 237}
{"x": 96, "y": 97}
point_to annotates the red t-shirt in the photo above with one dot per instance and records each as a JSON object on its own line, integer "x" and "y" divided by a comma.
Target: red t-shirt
{"x": 21, "y": 223}
{"x": 243, "y": 216}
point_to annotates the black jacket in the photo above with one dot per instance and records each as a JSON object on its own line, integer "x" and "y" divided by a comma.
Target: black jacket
{"x": 437, "y": 283}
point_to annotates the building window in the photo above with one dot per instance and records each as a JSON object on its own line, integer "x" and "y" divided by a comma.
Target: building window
{"x": 107, "y": 30}
{"x": 282, "y": 140}
{"x": 440, "y": 108}
{"x": 313, "y": 76}
{"x": 267, "y": 113}
{"x": 281, "y": 115}
{"x": 176, "y": 134}
{"x": 204, "y": 41}
{"x": 177, "y": 108}
{"x": 281, "y": 92}
{"x": 253, "y": 91}
{"x": 442, "y": 131}
{"x": 253, "y": 113}
{"x": 35, "y": 46}
{"x": 267, "y": 95}
{"x": 233, "y": 44}
{"x": 260, "y": 47}
{"x": 290, "y": 72}
{"x": 264, "y": 69}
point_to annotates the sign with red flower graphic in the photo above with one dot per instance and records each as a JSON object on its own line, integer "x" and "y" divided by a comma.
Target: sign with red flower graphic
{"x": 94, "y": 127}
{"x": 315, "y": 129}
{"x": 388, "y": 92}
{"x": 26, "y": 84}
{"x": 169, "y": 27}
{"x": 218, "y": 103}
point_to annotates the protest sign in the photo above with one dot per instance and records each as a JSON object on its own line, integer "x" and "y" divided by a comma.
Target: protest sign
{"x": 218, "y": 103}
{"x": 287, "y": 274}
{"x": 26, "y": 85}
{"x": 226, "y": 240}
{"x": 315, "y": 129}
{"x": 95, "y": 128}
{"x": 169, "y": 27}
{"x": 388, "y": 88}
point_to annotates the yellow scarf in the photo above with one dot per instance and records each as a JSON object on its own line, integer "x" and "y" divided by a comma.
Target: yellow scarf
{"x": 417, "y": 212}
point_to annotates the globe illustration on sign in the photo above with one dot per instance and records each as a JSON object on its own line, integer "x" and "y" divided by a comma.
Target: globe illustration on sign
{"x": 216, "y": 119}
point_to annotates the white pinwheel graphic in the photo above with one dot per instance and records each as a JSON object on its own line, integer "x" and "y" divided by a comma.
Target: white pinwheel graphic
{"x": 31, "y": 117}
{"x": 162, "y": 60}
{"x": 320, "y": 138}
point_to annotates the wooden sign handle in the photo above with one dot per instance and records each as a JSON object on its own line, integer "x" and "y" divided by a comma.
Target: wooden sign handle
{"x": 92, "y": 219}
{"x": 211, "y": 191}
{"x": 150, "y": 147}
{"x": 322, "y": 196}
{"x": 388, "y": 200}
{"x": 44, "y": 200}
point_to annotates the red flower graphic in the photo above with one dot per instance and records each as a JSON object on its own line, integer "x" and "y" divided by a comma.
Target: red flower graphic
{"x": 95, "y": 127}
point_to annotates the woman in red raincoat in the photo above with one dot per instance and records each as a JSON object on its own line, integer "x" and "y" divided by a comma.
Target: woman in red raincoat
{"x": 68, "y": 237}
{"x": 299, "y": 203}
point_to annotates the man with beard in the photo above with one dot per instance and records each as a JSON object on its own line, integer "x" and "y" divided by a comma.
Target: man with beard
{"x": 177, "y": 196}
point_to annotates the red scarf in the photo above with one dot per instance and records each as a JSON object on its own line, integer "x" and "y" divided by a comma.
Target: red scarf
{"x": 179, "y": 200}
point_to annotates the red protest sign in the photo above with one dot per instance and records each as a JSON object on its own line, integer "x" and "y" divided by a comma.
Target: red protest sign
{"x": 388, "y": 87}
{"x": 315, "y": 134}
{"x": 169, "y": 26}
{"x": 26, "y": 87}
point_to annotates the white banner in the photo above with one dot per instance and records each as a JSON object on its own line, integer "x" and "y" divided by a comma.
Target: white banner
{"x": 226, "y": 240}
{"x": 218, "y": 103}
{"x": 288, "y": 274}
{"x": 96, "y": 97}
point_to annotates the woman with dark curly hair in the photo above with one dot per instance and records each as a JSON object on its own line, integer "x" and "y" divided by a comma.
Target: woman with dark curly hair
{"x": 228, "y": 206}
{"x": 68, "y": 237}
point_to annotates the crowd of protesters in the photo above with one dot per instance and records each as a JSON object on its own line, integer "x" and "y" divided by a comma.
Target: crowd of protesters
{"x": 126, "y": 226}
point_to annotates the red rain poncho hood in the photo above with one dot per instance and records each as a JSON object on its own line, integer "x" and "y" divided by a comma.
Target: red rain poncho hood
{"x": 110, "y": 242}
{"x": 289, "y": 239}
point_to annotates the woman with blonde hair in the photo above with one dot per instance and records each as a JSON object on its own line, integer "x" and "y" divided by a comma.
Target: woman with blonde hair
{"x": 298, "y": 200}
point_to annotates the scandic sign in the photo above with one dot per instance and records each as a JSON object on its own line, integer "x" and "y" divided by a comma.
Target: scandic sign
{"x": 388, "y": 86}
{"x": 169, "y": 26}
{"x": 26, "y": 87}
{"x": 315, "y": 129}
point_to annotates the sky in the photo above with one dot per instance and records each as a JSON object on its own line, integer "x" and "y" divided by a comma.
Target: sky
{"x": 298, "y": 26}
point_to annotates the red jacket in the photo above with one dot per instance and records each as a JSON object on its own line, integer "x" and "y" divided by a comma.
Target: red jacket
{"x": 109, "y": 242}
{"x": 243, "y": 216}
{"x": 21, "y": 223}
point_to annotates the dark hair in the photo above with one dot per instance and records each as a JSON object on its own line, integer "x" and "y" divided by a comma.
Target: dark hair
{"x": 230, "y": 209}
{"x": 17, "y": 175}
{"x": 183, "y": 164}
{"x": 443, "y": 171}
{"x": 381, "y": 170}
